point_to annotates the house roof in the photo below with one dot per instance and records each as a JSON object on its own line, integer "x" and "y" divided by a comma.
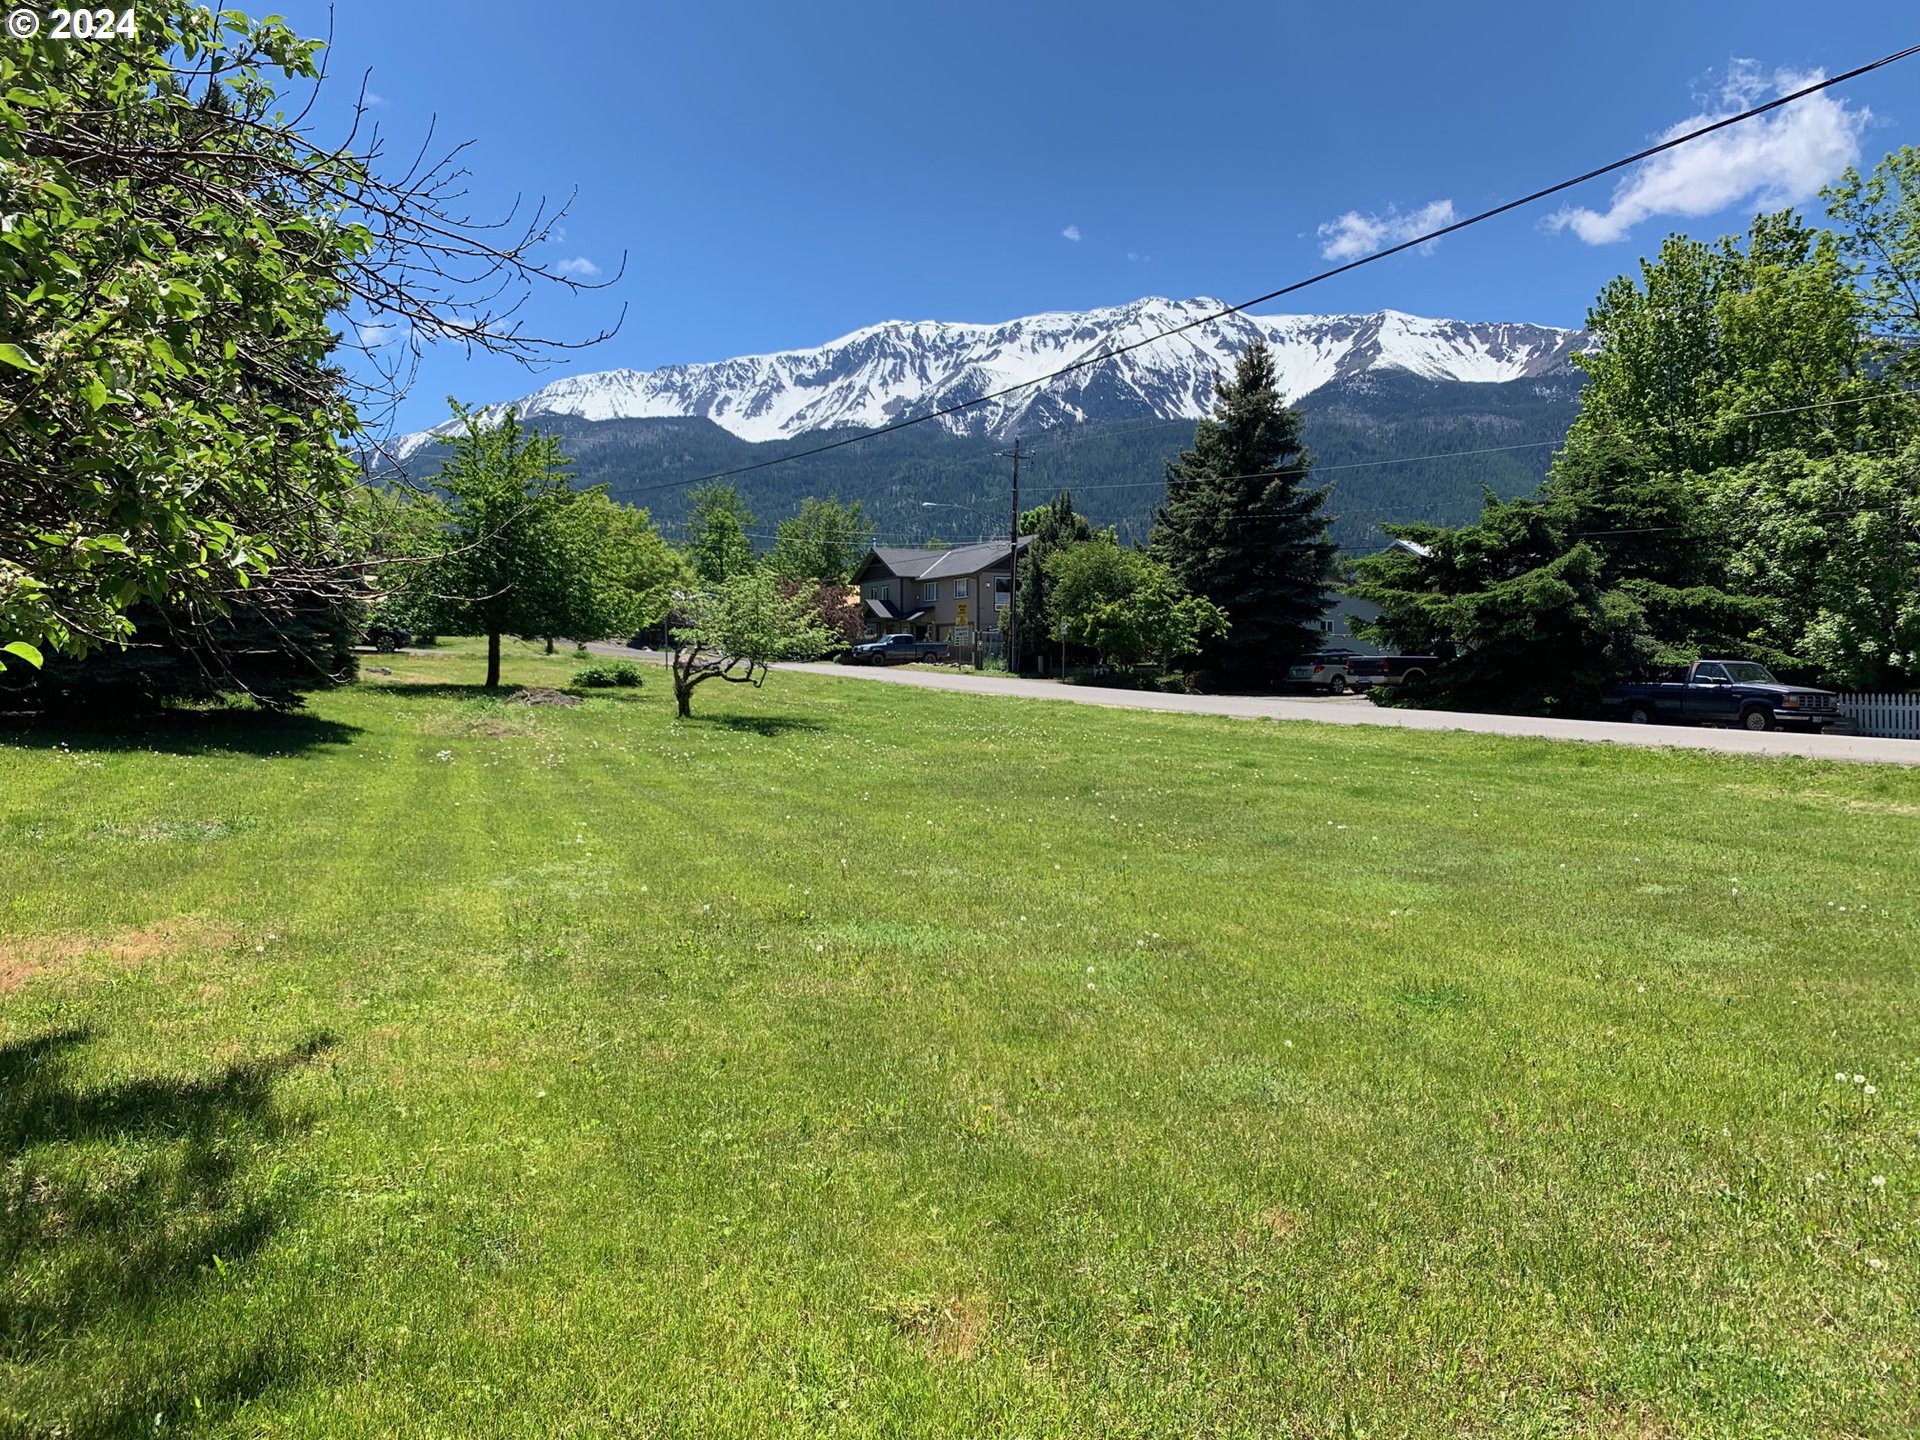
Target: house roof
{"x": 970, "y": 559}
{"x": 940, "y": 564}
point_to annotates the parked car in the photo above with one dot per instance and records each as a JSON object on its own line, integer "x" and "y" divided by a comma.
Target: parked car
{"x": 895, "y": 650}
{"x": 388, "y": 638}
{"x": 1324, "y": 671}
{"x": 1366, "y": 671}
{"x": 1723, "y": 692}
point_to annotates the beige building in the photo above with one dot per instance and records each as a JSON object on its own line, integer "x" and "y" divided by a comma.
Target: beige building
{"x": 937, "y": 594}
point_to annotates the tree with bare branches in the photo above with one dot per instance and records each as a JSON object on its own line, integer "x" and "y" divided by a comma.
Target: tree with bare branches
{"x": 177, "y": 428}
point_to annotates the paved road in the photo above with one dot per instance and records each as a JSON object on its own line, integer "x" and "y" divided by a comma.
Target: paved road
{"x": 1354, "y": 710}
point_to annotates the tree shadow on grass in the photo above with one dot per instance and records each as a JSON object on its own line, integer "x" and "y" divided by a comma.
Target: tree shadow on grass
{"x": 767, "y": 725}
{"x": 261, "y": 733}
{"x": 118, "y": 1202}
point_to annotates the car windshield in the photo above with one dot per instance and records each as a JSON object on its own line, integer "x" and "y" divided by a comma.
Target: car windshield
{"x": 1745, "y": 672}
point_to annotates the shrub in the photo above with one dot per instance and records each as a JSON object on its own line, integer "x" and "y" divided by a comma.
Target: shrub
{"x": 605, "y": 677}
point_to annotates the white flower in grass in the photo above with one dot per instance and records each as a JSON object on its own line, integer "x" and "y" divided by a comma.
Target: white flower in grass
{"x": 1841, "y": 1076}
{"x": 1879, "y": 1182}
{"x": 1859, "y": 1079}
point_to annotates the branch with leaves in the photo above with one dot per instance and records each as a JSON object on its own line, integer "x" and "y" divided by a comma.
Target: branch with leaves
{"x": 737, "y": 630}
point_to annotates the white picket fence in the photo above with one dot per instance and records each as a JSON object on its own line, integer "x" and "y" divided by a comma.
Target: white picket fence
{"x": 1895, "y": 716}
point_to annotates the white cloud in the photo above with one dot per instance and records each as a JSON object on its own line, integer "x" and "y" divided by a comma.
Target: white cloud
{"x": 375, "y": 100}
{"x": 1072, "y": 232}
{"x": 1773, "y": 160}
{"x": 374, "y": 334}
{"x": 1353, "y": 234}
{"x": 578, "y": 265}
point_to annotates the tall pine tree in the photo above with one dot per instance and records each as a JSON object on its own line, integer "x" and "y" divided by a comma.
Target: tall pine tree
{"x": 1240, "y": 527}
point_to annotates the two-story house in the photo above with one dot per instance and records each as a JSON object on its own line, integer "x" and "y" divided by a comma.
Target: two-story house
{"x": 938, "y": 594}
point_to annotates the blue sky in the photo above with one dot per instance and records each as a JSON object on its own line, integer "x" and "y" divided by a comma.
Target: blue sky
{"x": 778, "y": 175}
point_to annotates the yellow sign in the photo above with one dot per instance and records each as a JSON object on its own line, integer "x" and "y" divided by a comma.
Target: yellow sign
{"x": 961, "y": 619}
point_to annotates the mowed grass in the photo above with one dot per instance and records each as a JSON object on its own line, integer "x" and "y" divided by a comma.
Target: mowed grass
{"x": 855, "y": 1061}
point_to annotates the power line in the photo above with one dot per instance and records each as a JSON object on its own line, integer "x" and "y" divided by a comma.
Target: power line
{"x": 1328, "y": 274}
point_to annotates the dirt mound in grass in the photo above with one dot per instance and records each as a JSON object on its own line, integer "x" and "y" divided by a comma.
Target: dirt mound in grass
{"x": 541, "y": 695}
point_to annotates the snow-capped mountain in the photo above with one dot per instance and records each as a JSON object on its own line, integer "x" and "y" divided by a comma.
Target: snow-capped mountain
{"x": 895, "y": 370}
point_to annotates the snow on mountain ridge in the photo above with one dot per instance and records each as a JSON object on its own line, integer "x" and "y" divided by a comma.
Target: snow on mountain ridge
{"x": 887, "y": 372}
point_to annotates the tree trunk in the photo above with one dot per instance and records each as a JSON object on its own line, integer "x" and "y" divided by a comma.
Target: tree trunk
{"x": 493, "y": 660}
{"x": 549, "y": 644}
{"x": 683, "y": 697}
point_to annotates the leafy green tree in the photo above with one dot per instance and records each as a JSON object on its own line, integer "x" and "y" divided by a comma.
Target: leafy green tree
{"x": 637, "y": 572}
{"x": 520, "y": 558}
{"x": 1240, "y": 527}
{"x": 1880, "y": 238}
{"x": 1719, "y": 353}
{"x": 737, "y": 628}
{"x": 717, "y": 543}
{"x": 1055, "y": 527}
{"x": 178, "y": 258}
{"x": 169, "y": 267}
{"x": 1833, "y": 543}
{"x": 1127, "y": 606}
{"x": 824, "y": 541}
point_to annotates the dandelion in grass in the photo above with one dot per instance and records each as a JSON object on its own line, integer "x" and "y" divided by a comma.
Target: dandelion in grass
{"x": 1879, "y": 1182}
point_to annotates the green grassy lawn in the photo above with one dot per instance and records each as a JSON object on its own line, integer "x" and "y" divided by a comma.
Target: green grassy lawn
{"x": 852, "y": 1060}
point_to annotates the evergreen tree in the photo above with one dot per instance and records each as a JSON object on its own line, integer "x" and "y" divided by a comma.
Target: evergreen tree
{"x": 1054, "y": 526}
{"x": 1240, "y": 527}
{"x": 717, "y": 543}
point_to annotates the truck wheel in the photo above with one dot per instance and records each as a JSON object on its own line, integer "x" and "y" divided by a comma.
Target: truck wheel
{"x": 1640, "y": 715}
{"x": 1756, "y": 719}
{"x": 1338, "y": 685}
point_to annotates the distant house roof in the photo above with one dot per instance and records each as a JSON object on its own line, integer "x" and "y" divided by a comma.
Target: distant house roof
{"x": 940, "y": 564}
{"x": 885, "y": 611}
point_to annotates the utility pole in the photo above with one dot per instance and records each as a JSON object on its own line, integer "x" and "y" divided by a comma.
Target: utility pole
{"x": 1013, "y": 570}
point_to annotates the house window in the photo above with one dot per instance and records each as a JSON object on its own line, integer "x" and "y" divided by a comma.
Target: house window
{"x": 960, "y": 589}
{"x": 930, "y": 591}
{"x": 1002, "y": 591}
{"x": 881, "y": 591}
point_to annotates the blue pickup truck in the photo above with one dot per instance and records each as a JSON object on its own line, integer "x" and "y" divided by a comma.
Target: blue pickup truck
{"x": 1723, "y": 692}
{"x": 895, "y": 650}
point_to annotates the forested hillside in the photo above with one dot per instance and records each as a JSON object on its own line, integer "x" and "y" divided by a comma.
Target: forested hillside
{"x": 1114, "y": 469}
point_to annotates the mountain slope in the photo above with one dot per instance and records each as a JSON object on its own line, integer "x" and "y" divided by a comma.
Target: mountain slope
{"x": 1360, "y": 431}
{"x": 895, "y": 370}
